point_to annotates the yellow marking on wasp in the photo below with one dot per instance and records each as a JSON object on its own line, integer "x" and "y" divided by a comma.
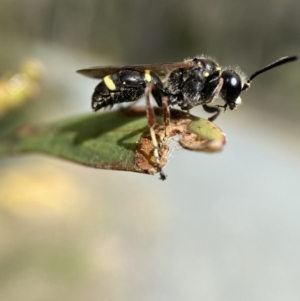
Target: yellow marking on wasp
{"x": 206, "y": 74}
{"x": 148, "y": 76}
{"x": 218, "y": 68}
{"x": 109, "y": 83}
{"x": 247, "y": 84}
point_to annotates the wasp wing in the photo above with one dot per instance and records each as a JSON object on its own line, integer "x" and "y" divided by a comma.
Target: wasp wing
{"x": 161, "y": 70}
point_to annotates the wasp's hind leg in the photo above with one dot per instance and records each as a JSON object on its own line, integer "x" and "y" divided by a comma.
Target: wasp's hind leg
{"x": 163, "y": 102}
{"x": 151, "y": 122}
{"x": 167, "y": 117}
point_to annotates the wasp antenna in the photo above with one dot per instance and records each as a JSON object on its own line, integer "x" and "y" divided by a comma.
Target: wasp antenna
{"x": 279, "y": 62}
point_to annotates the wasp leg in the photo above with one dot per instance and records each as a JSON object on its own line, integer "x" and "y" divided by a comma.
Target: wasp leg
{"x": 151, "y": 123}
{"x": 167, "y": 117}
{"x": 214, "y": 109}
{"x": 164, "y": 102}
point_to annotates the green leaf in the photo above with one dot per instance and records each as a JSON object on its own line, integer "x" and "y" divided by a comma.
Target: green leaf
{"x": 117, "y": 140}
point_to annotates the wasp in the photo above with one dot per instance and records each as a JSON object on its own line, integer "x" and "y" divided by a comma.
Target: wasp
{"x": 193, "y": 82}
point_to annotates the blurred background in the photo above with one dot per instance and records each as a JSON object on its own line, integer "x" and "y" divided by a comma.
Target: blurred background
{"x": 222, "y": 227}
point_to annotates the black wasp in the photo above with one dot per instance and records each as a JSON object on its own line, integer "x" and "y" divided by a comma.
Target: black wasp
{"x": 186, "y": 84}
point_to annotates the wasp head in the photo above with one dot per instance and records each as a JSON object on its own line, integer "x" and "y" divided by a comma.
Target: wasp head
{"x": 231, "y": 89}
{"x": 234, "y": 83}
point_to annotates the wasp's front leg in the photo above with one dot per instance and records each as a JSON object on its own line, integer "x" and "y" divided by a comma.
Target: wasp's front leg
{"x": 214, "y": 109}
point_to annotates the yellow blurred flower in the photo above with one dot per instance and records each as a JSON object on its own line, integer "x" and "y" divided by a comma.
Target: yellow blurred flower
{"x": 21, "y": 87}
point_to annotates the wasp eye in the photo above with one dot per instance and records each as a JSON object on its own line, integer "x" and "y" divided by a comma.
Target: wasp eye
{"x": 232, "y": 87}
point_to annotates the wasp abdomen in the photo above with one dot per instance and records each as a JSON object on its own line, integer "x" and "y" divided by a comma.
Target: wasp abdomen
{"x": 123, "y": 86}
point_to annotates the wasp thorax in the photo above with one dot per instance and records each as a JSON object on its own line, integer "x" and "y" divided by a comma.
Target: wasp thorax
{"x": 231, "y": 88}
